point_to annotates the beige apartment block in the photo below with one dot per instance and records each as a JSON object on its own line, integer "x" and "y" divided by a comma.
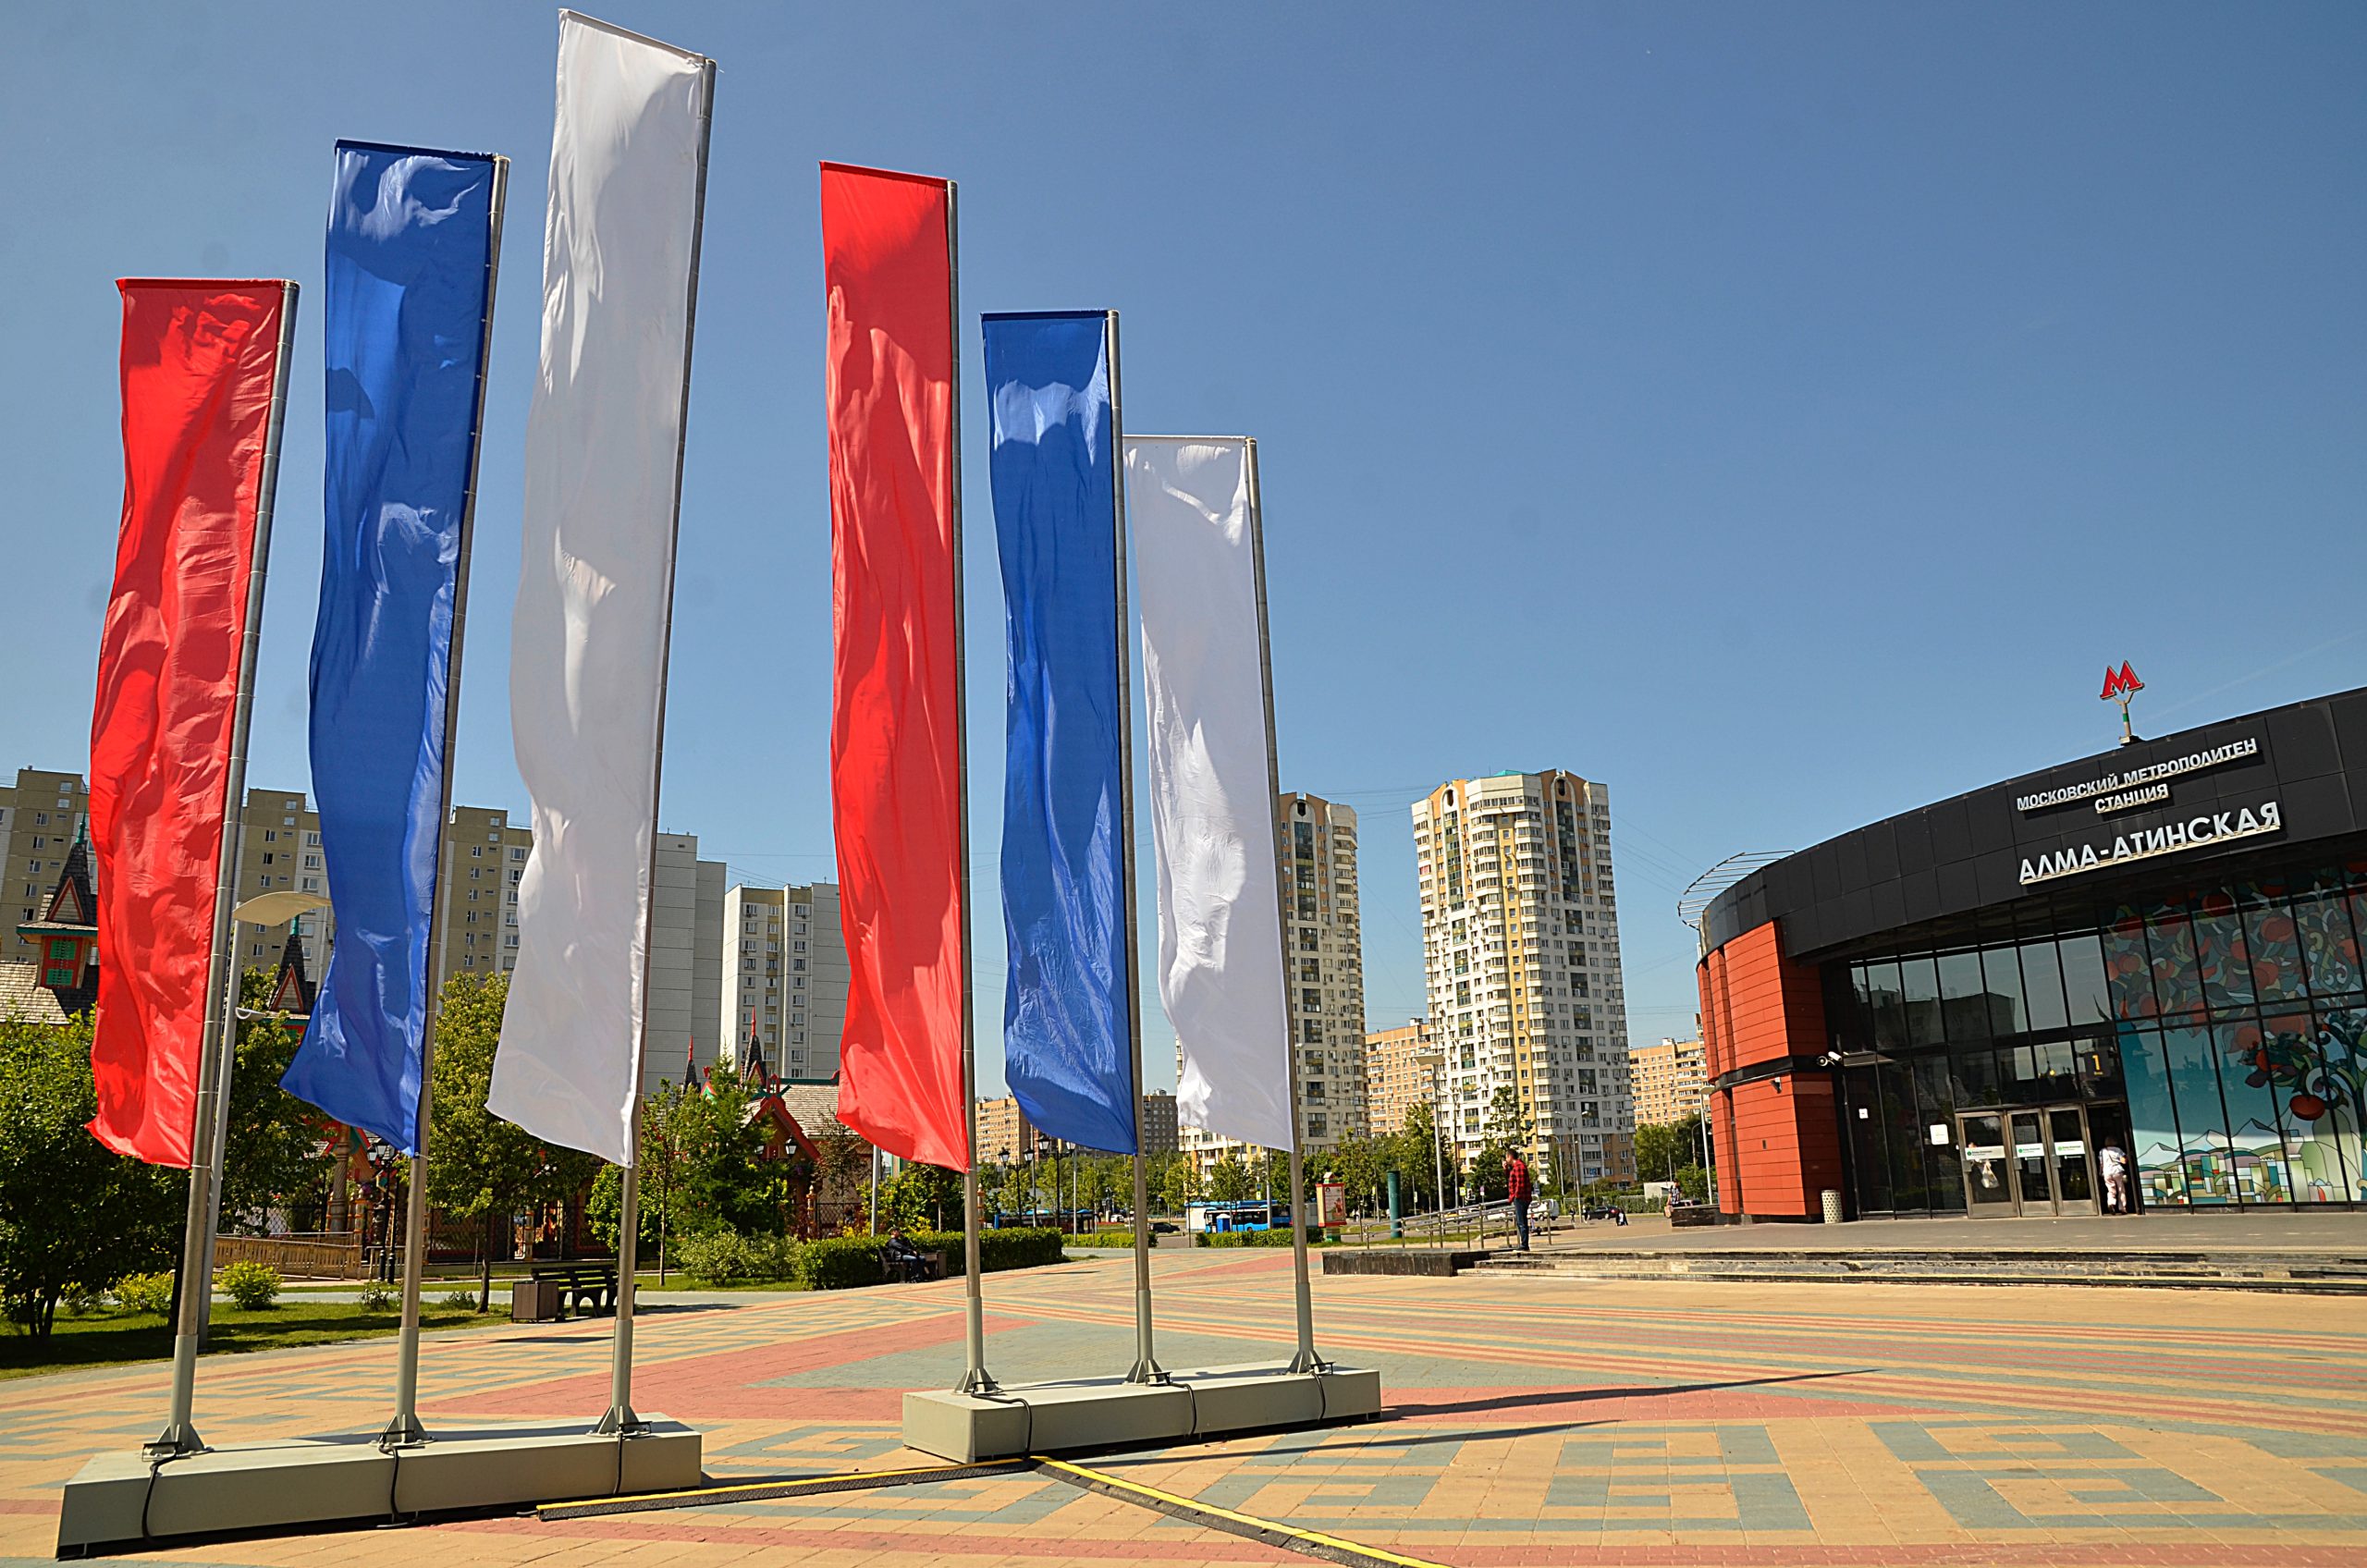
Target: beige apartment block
{"x": 785, "y": 974}
{"x": 1005, "y": 1133}
{"x": 40, "y": 814}
{"x": 1520, "y": 951}
{"x": 1324, "y": 970}
{"x": 275, "y": 847}
{"x": 280, "y": 850}
{"x": 485, "y": 859}
{"x": 1400, "y": 1071}
{"x": 1672, "y": 1082}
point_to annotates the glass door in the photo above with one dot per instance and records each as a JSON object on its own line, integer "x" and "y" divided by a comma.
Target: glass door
{"x": 2032, "y": 1165}
{"x": 1988, "y": 1179}
{"x": 2075, "y": 1169}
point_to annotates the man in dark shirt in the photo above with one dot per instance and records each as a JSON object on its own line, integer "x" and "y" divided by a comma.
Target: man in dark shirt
{"x": 1516, "y": 1180}
{"x": 904, "y": 1258}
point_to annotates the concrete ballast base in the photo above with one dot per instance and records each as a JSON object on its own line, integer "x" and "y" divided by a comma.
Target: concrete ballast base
{"x": 118, "y": 1498}
{"x": 1093, "y": 1413}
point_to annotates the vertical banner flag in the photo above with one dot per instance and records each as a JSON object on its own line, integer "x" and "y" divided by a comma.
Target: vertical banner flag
{"x": 1068, "y": 1036}
{"x": 1212, "y": 784}
{"x": 589, "y": 633}
{"x": 201, "y": 369}
{"x": 896, "y": 791}
{"x": 409, "y": 287}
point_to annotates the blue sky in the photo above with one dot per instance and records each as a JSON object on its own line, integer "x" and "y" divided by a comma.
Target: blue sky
{"x": 1782, "y": 414}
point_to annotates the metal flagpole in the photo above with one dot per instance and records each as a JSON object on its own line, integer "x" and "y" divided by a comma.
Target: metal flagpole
{"x": 405, "y": 1428}
{"x": 620, "y": 1417}
{"x": 1147, "y": 1368}
{"x": 975, "y": 1379}
{"x": 1305, "y": 1360}
{"x": 218, "y": 1041}
{"x": 236, "y": 832}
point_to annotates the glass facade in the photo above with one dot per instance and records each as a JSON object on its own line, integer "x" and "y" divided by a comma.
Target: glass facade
{"x": 2214, "y": 1037}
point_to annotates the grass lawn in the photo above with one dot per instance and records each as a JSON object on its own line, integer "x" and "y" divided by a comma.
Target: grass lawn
{"x": 109, "y": 1339}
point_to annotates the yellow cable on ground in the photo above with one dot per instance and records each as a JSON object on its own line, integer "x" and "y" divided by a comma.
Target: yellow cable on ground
{"x": 759, "y": 1491}
{"x": 1313, "y": 1543}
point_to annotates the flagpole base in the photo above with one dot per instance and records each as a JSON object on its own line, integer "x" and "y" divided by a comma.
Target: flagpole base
{"x": 175, "y": 1441}
{"x": 1104, "y": 1413}
{"x": 1309, "y": 1361}
{"x": 403, "y": 1431}
{"x": 1149, "y": 1370}
{"x": 619, "y": 1421}
{"x": 977, "y": 1382}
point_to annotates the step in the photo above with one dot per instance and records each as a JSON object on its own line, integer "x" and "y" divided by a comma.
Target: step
{"x": 2328, "y": 1273}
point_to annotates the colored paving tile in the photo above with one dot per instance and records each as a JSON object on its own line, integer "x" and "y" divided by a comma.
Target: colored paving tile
{"x": 1531, "y": 1420}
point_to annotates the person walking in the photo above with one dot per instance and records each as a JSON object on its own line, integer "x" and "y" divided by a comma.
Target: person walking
{"x": 2112, "y": 1160}
{"x": 1517, "y": 1187}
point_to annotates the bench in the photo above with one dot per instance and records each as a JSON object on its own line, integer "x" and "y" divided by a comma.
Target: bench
{"x": 586, "y": 1289}
{"x": 932, "y": 1268}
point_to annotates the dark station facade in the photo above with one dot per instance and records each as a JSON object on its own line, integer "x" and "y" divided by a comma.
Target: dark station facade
{"x": 2155, "y": 950}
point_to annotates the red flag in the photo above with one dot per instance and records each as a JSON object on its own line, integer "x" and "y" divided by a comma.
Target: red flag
{"x": 895, "y": 729}
{"x": 201, "y": 367}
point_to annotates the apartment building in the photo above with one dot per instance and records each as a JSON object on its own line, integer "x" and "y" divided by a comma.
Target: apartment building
{"x": 1520, "y": 951}
{"x": 40, "y": 814}
{"x": 1400, "y": 1071}
{"x": 484, "y": 856}
{"x": 1005, "y": 1133}
{"x": 275, "y": 847}
{"x": 1672, "y": 1082}
{"x": 785, "y": 974}
{"x": 1323, "y": 965}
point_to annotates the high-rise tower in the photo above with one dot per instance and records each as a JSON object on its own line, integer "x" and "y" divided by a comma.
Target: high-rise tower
{"x": 1520, "y": 948}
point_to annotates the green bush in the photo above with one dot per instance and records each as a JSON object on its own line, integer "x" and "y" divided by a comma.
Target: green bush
{"x": 838, "y": 1263}
{"x": 724, "y": 1257}
{"x": 376, "y": 1296}
{"x": 461, "y": 1300}
{"x": 251, "y": 1286}
{"x": 146, "y": 1293}
{"x": 1253, "y": 1238}
{"x": 716, "y": 1258}
{"x": 83, "y": 1300}
{"x": 1106, "y": 1239}
{"x": 998, "y": 1250}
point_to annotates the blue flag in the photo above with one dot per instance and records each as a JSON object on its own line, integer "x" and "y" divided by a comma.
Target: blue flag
{"x": 408, "y": 281}
{"x": 1068, "y": 1014}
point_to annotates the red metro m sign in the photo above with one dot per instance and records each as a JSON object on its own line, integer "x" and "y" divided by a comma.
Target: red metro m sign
{"x": 2120, "y": 685}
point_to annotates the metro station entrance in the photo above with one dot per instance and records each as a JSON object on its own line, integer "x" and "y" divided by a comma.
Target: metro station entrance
{"x": 2033, "y": 1160}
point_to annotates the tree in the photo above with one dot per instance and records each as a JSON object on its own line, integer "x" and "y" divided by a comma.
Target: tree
{"x": 674, "y": 1127}
{"x": 1419, "y": 1153}
{"x": 1362, "y": 1166}
{"x": 72, "y": 1211}
{"x": 279, "y": 1149}
{"x": 1176, "y": 1181}
{"x": 484, "y": 1166}
{"x": 1664, "y": 1148}
{"x": 1232, "y": 1181}
{"x": 922, "y": 1197}
{"x": 842, "y": 1172}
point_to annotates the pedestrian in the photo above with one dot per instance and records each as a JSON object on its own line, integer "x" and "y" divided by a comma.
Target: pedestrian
{"x": 2113, "y": 1161}
{"x": 1517, "y": 1187}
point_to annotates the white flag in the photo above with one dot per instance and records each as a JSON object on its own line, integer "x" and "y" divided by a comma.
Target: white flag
{"x": 587, "y": 650}
{"x": 1212, "y": 784}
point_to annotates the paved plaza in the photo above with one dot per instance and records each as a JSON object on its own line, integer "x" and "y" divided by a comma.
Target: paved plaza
{"x": 1531, "y": 1421}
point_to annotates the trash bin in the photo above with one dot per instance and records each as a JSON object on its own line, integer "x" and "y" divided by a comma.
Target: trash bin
{"x": 1832, "y": 1207}
{"x": 533, "y": 1301}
